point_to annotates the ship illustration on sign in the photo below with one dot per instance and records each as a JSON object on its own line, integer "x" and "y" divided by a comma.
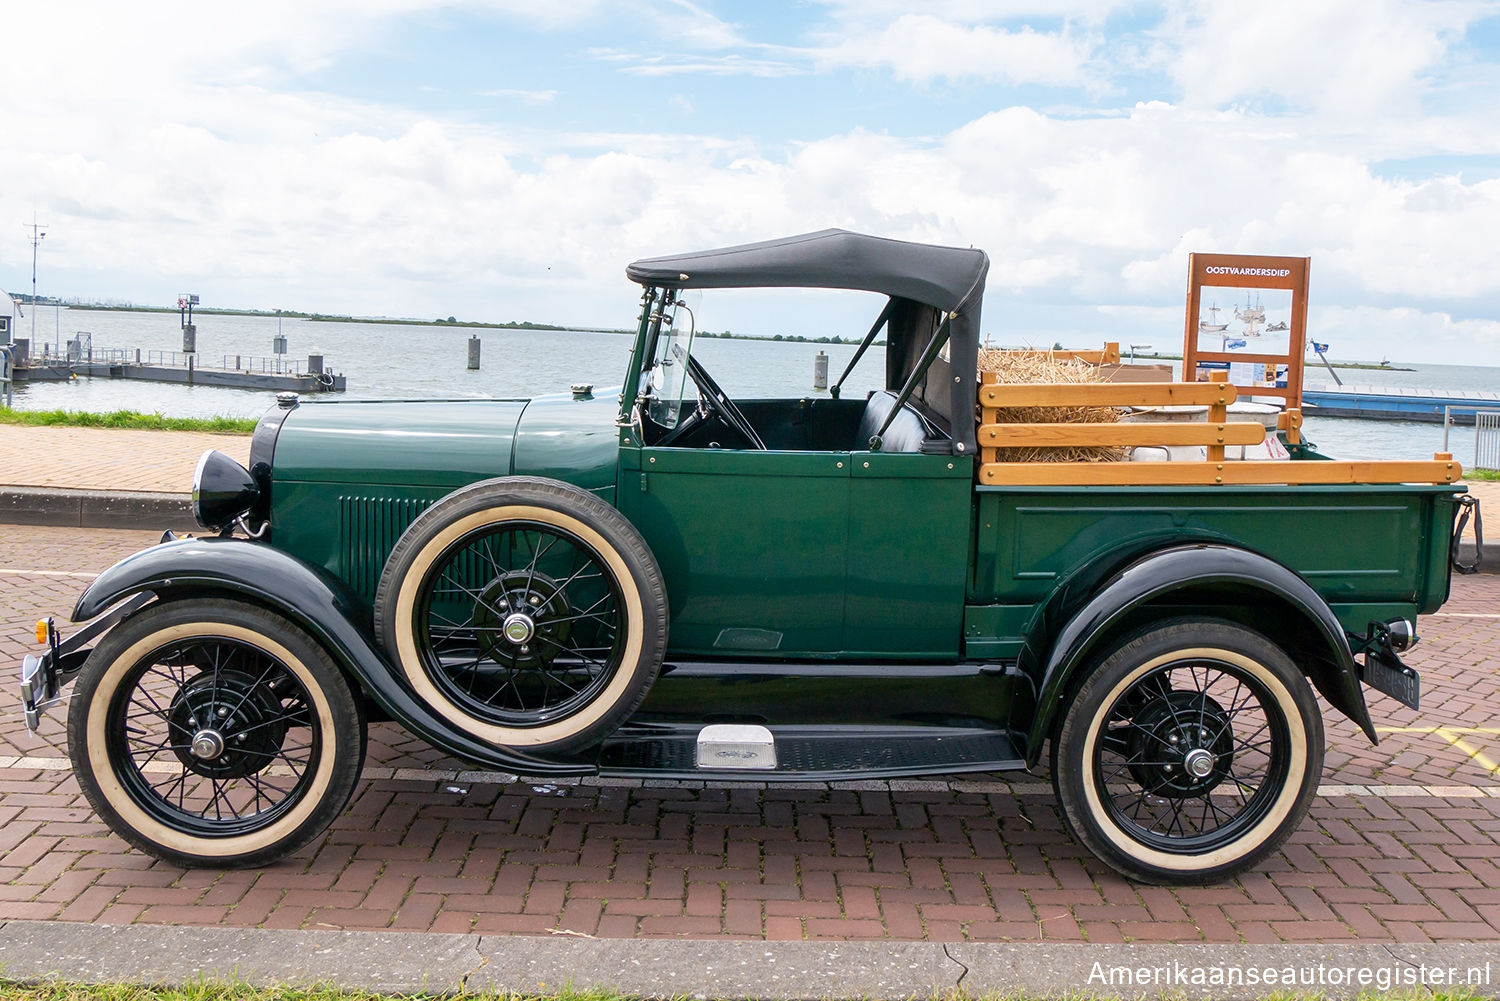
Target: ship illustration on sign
{"x": 1252, "y": 317}
{"x": 1204, "y": 327}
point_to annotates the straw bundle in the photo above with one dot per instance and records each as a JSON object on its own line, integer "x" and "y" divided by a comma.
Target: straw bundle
{"x": 1033, "y": 367}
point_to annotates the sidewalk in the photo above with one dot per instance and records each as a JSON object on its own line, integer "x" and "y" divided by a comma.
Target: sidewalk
{"x": 107, "y": 459}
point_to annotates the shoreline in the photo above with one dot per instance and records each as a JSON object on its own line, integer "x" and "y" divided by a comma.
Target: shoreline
{"x": 292, "y": 314}
{"x": 1365, "y": 365}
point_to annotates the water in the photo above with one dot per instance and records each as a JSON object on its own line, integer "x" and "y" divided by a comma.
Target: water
{"x": 383, "y": 361}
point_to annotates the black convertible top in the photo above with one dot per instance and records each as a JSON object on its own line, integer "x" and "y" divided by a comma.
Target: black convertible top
{"x": 945, "y": 277}
{"x": 922, "y": 280}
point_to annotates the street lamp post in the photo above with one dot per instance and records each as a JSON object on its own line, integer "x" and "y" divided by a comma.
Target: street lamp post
{"x": 37, "y": 236}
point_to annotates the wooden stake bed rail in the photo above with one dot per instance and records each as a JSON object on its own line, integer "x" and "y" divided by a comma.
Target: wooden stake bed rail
{"x": 995, "y": 434}
{"x": 1146, "y": 474}
{"x": 1105, "y": 394}
{"x": 1126, "y": 434}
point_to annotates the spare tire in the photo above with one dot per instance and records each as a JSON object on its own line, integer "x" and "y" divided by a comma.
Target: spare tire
{"x": 526, "y": 612}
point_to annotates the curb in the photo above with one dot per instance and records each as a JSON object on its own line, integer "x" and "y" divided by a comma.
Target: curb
{"x": 438, "y": 963}
{"x": 1490, "y": 563}
{"x": 69, "y": 508}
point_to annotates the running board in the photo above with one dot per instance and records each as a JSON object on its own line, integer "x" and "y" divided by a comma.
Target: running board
{"x": 816, "y": 754}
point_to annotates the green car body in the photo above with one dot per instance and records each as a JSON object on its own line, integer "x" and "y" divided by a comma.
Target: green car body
{"x": 833, "y": 577}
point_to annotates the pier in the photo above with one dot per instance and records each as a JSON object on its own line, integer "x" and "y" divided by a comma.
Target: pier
{"x": 234, "y": 371}
{"x": 1389, "y": 403}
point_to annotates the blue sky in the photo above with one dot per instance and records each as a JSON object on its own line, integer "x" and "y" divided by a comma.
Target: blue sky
{"x": 505, "y": 159}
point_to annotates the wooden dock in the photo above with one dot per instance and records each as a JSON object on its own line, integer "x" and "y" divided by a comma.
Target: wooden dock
{"x": 1390, "y": 403}
{"x": 250, "y": 373}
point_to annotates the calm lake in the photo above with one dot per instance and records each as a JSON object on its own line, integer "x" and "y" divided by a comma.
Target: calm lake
{"x": 384, "y": 361}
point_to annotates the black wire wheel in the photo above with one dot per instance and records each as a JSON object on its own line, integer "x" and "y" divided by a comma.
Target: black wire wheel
{"x": 526, "y": 612}
{"x": 214, "y": 733}
{"x": 1189, "y": 753}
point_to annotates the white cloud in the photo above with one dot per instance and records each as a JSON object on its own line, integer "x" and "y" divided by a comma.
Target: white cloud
{"x": 922, "y": 48}
{"x": 522, "y": 96}
{"x": 677, "y": 63}
{"x": 973, "y": 10}
{"x": 1346, "y": 56}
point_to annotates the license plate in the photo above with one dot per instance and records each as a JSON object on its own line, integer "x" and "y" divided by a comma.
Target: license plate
{"x": 1384, "y": 672}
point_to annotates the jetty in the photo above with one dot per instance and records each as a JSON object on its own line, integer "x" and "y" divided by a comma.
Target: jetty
{"x": 184, "y": 368}
{"x": 1391, "y": 403}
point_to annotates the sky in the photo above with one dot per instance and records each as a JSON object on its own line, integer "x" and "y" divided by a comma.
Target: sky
{"x": 505, "y": 159}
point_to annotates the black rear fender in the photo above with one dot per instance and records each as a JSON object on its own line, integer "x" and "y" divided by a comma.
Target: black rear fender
{"x": 318, "y": 602}
{"x": 1088, "y": 614}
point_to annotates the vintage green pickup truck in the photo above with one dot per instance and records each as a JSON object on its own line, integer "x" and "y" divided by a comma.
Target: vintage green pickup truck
{"x": 663, "y": 581}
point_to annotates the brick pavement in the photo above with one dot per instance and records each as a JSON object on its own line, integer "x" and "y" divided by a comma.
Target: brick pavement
{"x": 975, "y": 859}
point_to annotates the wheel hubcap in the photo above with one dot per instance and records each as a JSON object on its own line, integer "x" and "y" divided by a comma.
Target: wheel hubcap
{"x": 518, "y": 617}
{"x": 519, "y": 628}
{"x": 1198, "y": 763}
{"x": 207, "y": 745}
{"x": 226, "y": 724}
{"x": 1181, "y": 745}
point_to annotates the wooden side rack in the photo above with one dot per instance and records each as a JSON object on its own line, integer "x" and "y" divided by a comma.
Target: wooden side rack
{"x": 1213, "y": 436}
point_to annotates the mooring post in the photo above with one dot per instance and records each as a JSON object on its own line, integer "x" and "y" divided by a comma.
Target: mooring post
{"x": 190, "y": 369}
{"x": 473, "y": 351}
{"x": 820, "y": 371}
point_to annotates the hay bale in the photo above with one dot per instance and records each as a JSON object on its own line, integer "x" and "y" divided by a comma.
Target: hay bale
{"x": 1036, "y": 367}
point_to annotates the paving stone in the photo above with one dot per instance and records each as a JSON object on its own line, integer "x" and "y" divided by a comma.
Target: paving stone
{"x": 982, "y": 858}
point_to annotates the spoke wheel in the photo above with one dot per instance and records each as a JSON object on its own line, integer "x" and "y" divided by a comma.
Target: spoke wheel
{"x": 526, "y": 612}
{"x": 1189, "y": 753}
{"x": 512, "y": 644}
{"x": 214, "y": 733}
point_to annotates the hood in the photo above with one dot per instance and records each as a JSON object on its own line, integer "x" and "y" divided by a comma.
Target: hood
{"x": 444, "y": 443}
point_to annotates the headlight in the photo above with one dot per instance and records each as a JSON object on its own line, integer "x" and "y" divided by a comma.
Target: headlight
{"x": 222, "y": 490}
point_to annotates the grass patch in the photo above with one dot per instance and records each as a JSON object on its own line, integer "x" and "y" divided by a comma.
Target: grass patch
{"x": 1482, "y": 474}
{"x": 128, "y": 419}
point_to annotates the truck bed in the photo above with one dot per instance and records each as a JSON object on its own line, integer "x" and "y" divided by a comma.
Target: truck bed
{"x": 1374, "y": 552}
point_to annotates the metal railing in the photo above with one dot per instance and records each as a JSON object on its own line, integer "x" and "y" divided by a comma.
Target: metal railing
{"x": 1486, "y": 434}
{"x": 6, "y": 374}
{"x": 278, "y": 364}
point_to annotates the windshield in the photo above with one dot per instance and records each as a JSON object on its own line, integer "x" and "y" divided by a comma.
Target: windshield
{"x": 669, "y": 369}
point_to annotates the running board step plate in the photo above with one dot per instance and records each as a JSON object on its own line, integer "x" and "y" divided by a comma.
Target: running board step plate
{"x": 754, "y": 753}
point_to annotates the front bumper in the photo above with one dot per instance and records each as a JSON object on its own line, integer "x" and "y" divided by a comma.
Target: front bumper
{"x": 43, "y": 678}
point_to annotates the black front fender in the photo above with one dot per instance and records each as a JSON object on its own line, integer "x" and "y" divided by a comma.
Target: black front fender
{"x": 315, "y": 600}
{"x": 1224, "y": 578}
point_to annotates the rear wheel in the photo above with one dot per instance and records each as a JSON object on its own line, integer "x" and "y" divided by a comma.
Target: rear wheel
{"x": 1189, "y": 753}
{"x": 526, "y": 612}
{"x": 214, "y": 733}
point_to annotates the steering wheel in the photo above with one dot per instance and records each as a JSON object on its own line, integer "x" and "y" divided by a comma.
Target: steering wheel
{"x": 712, "y": 399}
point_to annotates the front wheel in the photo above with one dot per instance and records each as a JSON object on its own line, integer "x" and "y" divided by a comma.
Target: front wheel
{"x": 1189, "y": 753}
{"x": 214, "y": 733}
